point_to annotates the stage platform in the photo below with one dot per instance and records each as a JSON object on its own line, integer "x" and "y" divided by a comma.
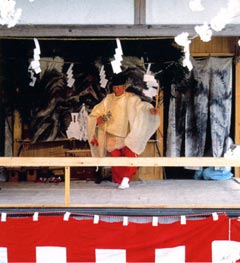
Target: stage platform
{"x": 155, "y": 194}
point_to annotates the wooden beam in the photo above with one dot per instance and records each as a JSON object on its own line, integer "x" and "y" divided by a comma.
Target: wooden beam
{"x": 237, "y": 108}
{"x": 67, "y": 185}
{"x": 109, "y": 205}
{"x": 108, "y": 31}
{"x": 140, "y": 12}
{"x": 121, "y": 161}
{"x": 212, "y": 54}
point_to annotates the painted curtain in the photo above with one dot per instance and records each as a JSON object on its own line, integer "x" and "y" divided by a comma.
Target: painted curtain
{"x": 204, "y": 107}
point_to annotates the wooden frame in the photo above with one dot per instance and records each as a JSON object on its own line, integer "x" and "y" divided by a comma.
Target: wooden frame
{"x": 108, "y": 161}
{"x": 237, "y": 108}
{"x": 108, "y": 31}
{"x": 140, "y": 12}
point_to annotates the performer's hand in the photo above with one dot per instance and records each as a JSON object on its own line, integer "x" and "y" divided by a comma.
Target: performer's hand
{"x": 99, "y": 120}
{"x": 154, "y": 111}
{"x": 94, "y": 141}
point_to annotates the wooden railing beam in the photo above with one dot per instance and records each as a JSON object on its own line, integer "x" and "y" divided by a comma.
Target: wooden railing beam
{"x": 121, "y": 161}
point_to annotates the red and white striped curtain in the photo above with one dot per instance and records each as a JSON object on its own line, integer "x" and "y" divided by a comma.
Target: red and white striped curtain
{"x": 49, "y": 239}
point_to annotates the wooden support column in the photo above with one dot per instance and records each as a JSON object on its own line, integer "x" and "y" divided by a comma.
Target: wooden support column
{"x": 17, "y": 133}
{"x": 140, "y": 12}
{"x": 67, "y": 186}
{"x": 2, "y": 127}
{"x": 160, "y": 133}
{"x": 237, "y": 109}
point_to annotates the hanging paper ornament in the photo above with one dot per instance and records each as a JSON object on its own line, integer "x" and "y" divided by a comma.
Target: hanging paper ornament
{"x": 83, "y": 120}
{"x": 116, "y": 63}
{"x": 151, "y": 83}
{"x": 33, "y": 78}
{"x": 183, "y": 40}
{"x": 8, "y": 15}
{"x": 78, "y": 126}
{"x": 196, "y": 5}
{"x": 103, "y": 80}
{"x": 70, "y": 79}
{"x": 73, "y": 129}
{"x": 204, "y": 32}
{"x": 35, "y": 63}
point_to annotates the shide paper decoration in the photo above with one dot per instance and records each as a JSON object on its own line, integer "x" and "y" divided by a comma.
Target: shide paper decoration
{"x": 103, "y": 80}
{"x": 217, "y": 23}
{"x": 78, "y": 126}
{"x": 32, "y": 77}
{"x": 204, "y": 32}
{"x": 8, "y": 15}
{"x": 34, "y": 66}
{"x": 70, "y": 79}
{"x": 35, "y": 63}
{"x": 83, "y": 120}
{"x": 116, "y": 63}
{"x": 73, "y": 129}
{"x": 225, "y": 15}
{"x": 183, "y": 40}
{"x": 151, "y": 83}
{"x": 196, "y": 5}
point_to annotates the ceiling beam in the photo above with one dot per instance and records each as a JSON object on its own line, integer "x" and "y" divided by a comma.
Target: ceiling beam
{"x": 107, "y": 31}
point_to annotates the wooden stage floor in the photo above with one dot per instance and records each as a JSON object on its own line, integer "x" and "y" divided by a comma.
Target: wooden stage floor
{"x": 141, "y": 194}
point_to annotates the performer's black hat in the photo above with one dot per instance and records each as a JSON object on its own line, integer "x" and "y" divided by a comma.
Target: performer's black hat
{"x": 118, "y": 79}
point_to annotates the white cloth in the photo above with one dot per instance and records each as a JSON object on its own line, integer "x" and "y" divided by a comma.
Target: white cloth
{"x": 130, "y": 120}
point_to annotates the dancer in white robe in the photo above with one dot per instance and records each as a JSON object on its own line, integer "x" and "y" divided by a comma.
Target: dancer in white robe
{"x": 120, "y": 125}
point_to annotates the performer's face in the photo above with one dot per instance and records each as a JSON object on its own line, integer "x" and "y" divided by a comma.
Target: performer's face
{"x": 119, "y": 90}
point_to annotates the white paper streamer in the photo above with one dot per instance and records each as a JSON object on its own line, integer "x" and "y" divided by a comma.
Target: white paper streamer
{"x": 103, "y": 80}
{"x": 8, "y": 15}
{"x": 70, "y": 79}
{"x": 66, "y": 216}
{"x": 151, "y": 83}
{"x": 35, "y": 63}
{"x": 183, "y": 220}
{"x": 83, "y": 123}
{"x": 215, "y": 216}
{"x": 125, "y": 220}
{"x": 196, "y": 5}
{"x": 33, "y": 78}
{"x": 3, "y": 217}
{"x": 116, "y": 63}
{"x": 155, "y": 221}
{"x": 96, "y": 219}
{"x": 35, "y": 216}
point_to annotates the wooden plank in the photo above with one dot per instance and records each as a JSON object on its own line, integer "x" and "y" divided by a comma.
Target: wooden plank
{"x": 218, "y": 46}
{"x": 95, "y": 31}
{"x": 148, "y": 172}
{"x": 17, "y": 132}
{"x": 237, "y": 108}
{"x": 212, "y": 54}
{"x": 67, "y": 186}
{"x": 139, "y": 12}
{"x": 121, "y": 161}
{"x": 109, "y": 205}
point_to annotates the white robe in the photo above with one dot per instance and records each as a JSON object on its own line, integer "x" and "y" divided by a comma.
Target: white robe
{"x": 130, "y": 119}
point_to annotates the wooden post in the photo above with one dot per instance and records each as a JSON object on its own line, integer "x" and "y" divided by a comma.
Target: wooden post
{"x": 160, "y": 130}
{"x": 237, "y": 109}
{"x": 17, "y": 133}
{"x": 67, "y": 185}
{"x": 139, "y": 12}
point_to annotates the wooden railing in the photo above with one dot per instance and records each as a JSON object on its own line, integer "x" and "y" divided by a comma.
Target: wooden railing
{"x": 68, "y": 162}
